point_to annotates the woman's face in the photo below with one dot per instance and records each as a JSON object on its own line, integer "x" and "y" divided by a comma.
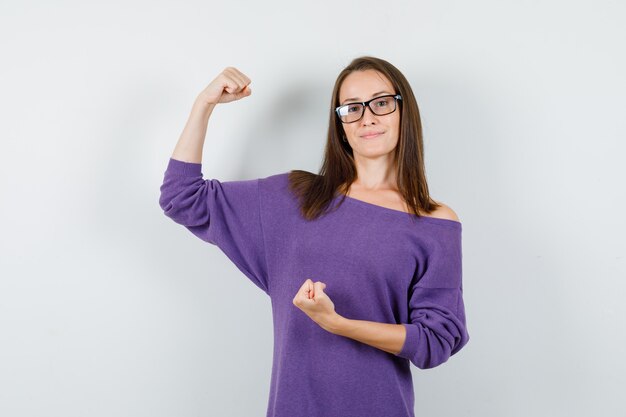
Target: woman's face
{"x": 363, "y": 86}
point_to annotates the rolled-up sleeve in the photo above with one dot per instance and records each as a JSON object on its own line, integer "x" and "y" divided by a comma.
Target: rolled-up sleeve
{"x": 437, "y": 328}
{"x": 225, "y": 214}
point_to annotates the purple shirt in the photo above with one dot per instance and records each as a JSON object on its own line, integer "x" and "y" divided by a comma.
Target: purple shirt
{"x": 378, "y": 264}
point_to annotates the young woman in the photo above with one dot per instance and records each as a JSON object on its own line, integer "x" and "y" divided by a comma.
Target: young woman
{"x": 362, "y": 267}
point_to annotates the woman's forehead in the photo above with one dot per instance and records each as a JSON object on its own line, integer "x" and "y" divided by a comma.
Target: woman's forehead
{"x": 363, "y": 85}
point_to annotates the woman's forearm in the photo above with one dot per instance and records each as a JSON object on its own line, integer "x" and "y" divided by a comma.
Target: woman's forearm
{"x": 230, "y": 85}
{"x": 191, "y": 141}
{"x": 384, "y": 336}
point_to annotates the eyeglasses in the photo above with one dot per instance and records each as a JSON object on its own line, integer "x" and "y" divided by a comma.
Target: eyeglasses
{"x": 380, "y": 106}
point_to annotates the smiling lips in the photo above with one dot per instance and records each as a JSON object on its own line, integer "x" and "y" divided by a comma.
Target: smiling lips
{"x": 370, "y": 135}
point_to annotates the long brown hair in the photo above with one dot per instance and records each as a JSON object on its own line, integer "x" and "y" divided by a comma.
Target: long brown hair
{"x": 315, "y": 192}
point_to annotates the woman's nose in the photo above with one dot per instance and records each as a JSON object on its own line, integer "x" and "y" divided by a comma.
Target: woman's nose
{"x": 368, "y": 116}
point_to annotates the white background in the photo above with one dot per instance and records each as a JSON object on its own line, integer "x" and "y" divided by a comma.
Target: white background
{"x": 109, "y": 308}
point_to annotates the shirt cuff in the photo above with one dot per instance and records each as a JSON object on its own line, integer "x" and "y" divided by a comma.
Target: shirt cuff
{"x": 182, "y": 168}
{"x": 409, "y": 348}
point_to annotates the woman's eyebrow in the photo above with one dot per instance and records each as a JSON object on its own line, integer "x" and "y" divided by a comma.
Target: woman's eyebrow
{"x": 357, "y": 99}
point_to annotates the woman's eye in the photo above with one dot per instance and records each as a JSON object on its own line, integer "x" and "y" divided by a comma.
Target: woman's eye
{"x": 381, "y": 103}
{"x": 353, "y": 108}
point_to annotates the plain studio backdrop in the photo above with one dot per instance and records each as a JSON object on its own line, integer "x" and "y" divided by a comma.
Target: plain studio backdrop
{"x": 109, "y": 308}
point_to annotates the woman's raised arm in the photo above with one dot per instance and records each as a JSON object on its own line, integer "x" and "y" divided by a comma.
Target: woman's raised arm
{"x": 230, "y": 85}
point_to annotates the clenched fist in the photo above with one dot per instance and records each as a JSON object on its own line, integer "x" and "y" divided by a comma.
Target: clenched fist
{"x": 230, "y": 85}
{"x": 315, "y": 303}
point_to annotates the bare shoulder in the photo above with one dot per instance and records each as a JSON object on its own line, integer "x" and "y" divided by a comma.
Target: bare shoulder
{"x": 444, "y": 212}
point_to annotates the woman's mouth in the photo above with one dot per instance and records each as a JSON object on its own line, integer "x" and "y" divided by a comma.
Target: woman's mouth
{"x": 372, "y": 135}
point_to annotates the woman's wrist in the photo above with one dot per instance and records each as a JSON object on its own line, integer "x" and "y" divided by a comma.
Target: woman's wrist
{"x": 202, "y": 105}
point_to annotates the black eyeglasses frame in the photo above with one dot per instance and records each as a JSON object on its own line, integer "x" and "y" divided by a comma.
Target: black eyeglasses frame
{"x": 367, "y": 104}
